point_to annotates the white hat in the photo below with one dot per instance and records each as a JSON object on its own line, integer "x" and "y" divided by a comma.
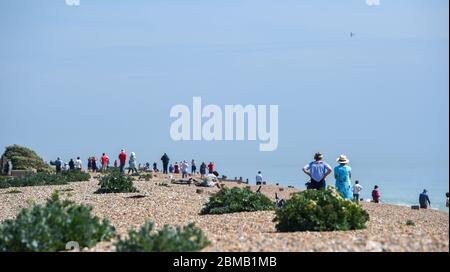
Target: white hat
{"x": 342, "y": 159}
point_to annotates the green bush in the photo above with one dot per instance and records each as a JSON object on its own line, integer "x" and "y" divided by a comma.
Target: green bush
{"x": 75, "y": 176}
{"x": 146, "y": 176}
{"x": 43, "y": 178}
{"x": 25, "y": 159}
{"x": 409, "y": 222}
{"x": 320, "y": 210}
{"x": 51, "y": 226}
{"x": 116, "y": 183}
{"x": 237, "y": 200}
{"x": 168, "y": 239}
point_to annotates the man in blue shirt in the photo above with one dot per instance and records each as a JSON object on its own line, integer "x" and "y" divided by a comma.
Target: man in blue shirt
{"x": 318, "y": 171}
{"x": 424, "y": 200}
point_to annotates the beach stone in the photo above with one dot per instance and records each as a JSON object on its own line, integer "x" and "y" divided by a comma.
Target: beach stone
{"x": 415, "y": 207}
{"x": 199, "y": 191}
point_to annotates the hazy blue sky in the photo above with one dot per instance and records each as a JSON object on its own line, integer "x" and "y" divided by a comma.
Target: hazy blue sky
{"x": 104, "y": 75}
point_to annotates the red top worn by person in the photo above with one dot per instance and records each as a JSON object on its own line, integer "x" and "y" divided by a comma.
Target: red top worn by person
{"x": 123, "y": 157}
{"x": 211, "y": 167}
{"x": 104, "y": 159}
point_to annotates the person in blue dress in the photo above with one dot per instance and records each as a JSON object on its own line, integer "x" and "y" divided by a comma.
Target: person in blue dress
{"x": 343, "y": 175}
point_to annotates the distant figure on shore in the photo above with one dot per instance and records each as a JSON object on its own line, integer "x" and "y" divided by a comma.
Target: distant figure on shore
{"x": 184, "y": 169}
{"x": 343, "y": 175}
{"x": 193, "y": 167}
{"x": 115, "y": 164}
{"x": 78, "y": 164}
{"x": 66, "y": 167}
{"x": 132, "y": 164}
{"x": 446, "y": 202}
{"x": 259, "y": 178}
{"x": 71, "y": 165}
{"x": 104, "y": 161}
{"x": 94, "y": 164}
{"x": 155, "y": 167}
{"x": 171, "y": 168}
{"x": 177, "y": 168}
{"x": 203, "y": 170}
{"x": 89, "y": 165}
{"x": 58, "y": 164}
{"x": 376, "y": 194}
{"x": 357, "y": 188}
{"x": 122, "y": 160}
{"x": 165, "y": 160}
{"x": 318, "y": 171}
{"x": 211, "y": 167}
{"x": 424, "y": 200}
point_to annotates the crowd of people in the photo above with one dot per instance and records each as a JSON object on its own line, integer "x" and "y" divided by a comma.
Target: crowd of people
{"x": 317, "y": 171}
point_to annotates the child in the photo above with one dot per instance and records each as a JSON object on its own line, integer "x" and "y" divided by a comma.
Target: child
{"x": 376, "y": 194}
{"x": 356, "y": 189}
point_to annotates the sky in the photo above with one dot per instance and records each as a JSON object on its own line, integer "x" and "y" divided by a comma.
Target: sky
{"x": 101, "y": 76}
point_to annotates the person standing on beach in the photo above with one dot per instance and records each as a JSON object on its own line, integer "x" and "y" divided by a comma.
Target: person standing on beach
{"x": 132, "y": 164}
{"x": 424, "y": 200}
{"x": 165, "y": 160}
{"x": 176, "y": 168}
{"x": 104, "y": 160}
{"x": 357, "y": 188}
{"x": 259, "y": 178}
{"x": 376, "y": 195}
{"x": 318, "y": 170}
{"x": 94, "y": 164}
{"x": 71, "y": 165}
{"x": 184, "y": 169}
{"x": 122, "y": 160}
{"x": 78, "y": 164}
{"x": 193, "y": 167}
{"x": 58, "y": 164}
{"x": 343, "y": 175}
{"x": 171, "y": 169}
{"x": 202, "y": 170}
{"x": 211, "y": 167}
{"x": 89, "y": 164}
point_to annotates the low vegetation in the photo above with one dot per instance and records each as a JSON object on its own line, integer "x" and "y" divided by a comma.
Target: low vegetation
{"x": 168, "y": 239}
{"x": 116, "y": 183}
{"x": 320, "y": 210}
{"x": 237, "y": 200}
{"x": 51, "y": 226}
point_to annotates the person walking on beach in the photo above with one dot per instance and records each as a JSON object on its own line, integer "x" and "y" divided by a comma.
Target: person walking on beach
{"x": 104, "y": 161}
{"x": 58, "y": 165}
{"x": 122, "y": 160}
{"x": 357, "y": 188}
{"x": 132, "y": 164}
{"x": 202, "y": 170}
{"x": 165, "y": 160}
{"x": 211, "y": 167}
{"x": 424, "y": 200}
{"x": 259, "y": 178}
{"x": 193, "y": 167}
{"x": 318, "y": 170}
{"x": 343, "y": 175}
{"x": 376, "y": 195}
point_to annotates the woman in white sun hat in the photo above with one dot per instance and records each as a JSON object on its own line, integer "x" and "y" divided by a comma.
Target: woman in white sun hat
{"x": 343, "y": 175}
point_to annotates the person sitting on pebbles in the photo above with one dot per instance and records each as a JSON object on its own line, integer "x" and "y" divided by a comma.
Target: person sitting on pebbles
{"x": 210, "y": 180}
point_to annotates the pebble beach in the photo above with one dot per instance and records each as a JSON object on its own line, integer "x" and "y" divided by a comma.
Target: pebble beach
{"x": 176, "y": 204}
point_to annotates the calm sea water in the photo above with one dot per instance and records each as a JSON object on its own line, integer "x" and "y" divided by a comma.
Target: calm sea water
{"x": 397, "y": 186}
